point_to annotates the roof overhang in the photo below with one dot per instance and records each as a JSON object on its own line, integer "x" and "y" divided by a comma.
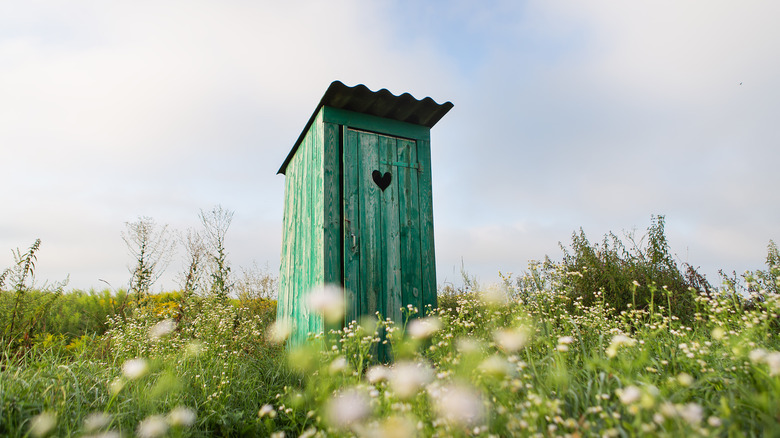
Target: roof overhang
{"x": 382, "y": 103}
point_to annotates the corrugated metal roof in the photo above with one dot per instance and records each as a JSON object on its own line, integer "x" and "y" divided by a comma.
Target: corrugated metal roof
{"x": 382, "y": 103}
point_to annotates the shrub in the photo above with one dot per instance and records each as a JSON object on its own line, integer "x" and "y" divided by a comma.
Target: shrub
{"x": 638, "y": 276}
{"x": 22, "y": 316}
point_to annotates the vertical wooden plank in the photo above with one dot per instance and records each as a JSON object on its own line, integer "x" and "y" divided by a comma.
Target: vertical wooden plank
{"x": 302, "y": 249}
{"x": 303, "y": 240}
{"x": 370, "y": 216}
{"x": 332, "y": 240}
{"x": 389, "y": 243}
{"x": 409, "y": 212}
{"x": 291, "y": 301}
{"x": 426, "y": 224}
{"x": 282, "y": 307}
{"x": 314, "y": 230}
{"x": 292, "y": 289}
{"x": 352, "y": 225}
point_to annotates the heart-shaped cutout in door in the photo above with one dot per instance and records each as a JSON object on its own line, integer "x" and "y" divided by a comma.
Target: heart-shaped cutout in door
{"x": 382, "y": 180}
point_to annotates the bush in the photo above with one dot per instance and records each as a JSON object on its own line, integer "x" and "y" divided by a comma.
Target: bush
{"x": 21, "y": 316}
{"x": 638, "y": 276}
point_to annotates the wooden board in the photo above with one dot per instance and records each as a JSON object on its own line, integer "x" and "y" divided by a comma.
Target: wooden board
{"x": 383, "y": 263}
{"x": 427, "y": 246}
{"x": 302, "y": 264}
{"x": 409, "y": 213}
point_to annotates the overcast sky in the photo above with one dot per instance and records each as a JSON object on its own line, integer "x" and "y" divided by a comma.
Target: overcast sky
{"x": 573, "y": 114}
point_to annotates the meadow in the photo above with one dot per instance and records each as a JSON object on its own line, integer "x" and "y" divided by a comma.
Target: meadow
{"x": 611, "y": 341}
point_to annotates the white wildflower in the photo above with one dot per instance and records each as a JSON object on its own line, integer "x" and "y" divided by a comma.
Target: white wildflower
{"x": 496, "y": 366}
{"x": 135, "y": 368}
{"x": 348, "y": 407}
{"x": 329, "y": 301}
{"x": 161, "y": 329}
{"x": 338, "y": 365}
{"x": 43, "y": 424}
{"x": 757, "y": 355}
{"x": 685, "y": 379}
{"x": 773, "y": 360}
{"x": 153, "y": 426}
{"x": 308, "y": 433}
{"x": 182, "y": 416}
{"x": 512, "y": 340}
{"x": 629, "y": 394}
{"x": 267, "y": 410}
{"x": 617, "y": 342}
{"x": 460, "y": 404}
{"x": 423, "y": 328}
{"x": 106, "y": 434}
{"x": 668, "y": 410}
{"x": 393, "y": 427}
{"x": 692, "y": 413}
{"x": 279, "y": 331}
{"x": 408, "y": 377}
{"x": 96, "y": 421}
{"x": 377, "y": 373}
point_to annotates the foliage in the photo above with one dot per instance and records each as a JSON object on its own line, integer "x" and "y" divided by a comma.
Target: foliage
{"x": 21, "y": 316}
{"x": 171, "y": 355}
{"x": 256, "y": 282}
{"x": 754, "y": 286}
{"x": 535, "y": 356}
{"x": 215, "y": 224}
{"x": 544, "y": 364}
{"x": 549, "y": 366}
{"x": 74, "y": 313}
{"x": 151, "y": 247}
{"x": 195, "y": 252}
{"x": 640, "y": 275}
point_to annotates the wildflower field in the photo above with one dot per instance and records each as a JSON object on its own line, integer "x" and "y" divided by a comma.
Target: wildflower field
{"x": 537, "y": 355}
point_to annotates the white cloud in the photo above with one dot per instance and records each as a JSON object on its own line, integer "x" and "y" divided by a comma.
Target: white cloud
{"x": 589, "y": 114}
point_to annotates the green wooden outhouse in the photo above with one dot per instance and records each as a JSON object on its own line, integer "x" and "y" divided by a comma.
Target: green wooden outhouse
{"x": 358, "y": 207}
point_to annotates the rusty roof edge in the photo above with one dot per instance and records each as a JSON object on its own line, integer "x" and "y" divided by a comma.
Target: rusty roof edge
{"x": 350, "y": 96}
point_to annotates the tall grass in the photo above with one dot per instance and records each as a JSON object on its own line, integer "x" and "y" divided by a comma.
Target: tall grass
{"x": 213, "y": 364}
{"x": 482, "y": 364}
{"x": 548, "y": 365}
{"x": 541, "y": 354}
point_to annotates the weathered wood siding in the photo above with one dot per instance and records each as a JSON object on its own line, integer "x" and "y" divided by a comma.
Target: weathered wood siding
{"x": 302, "y": 260}
{"x": 385, "y": 258}
{"x": 340, "y": 227}
{"x": 427, "y": 248}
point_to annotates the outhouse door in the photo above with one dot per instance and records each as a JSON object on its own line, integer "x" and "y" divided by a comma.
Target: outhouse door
{"x": 382, "y": 247}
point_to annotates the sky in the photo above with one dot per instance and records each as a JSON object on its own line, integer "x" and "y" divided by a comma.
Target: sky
{"x": 568, "y": 115}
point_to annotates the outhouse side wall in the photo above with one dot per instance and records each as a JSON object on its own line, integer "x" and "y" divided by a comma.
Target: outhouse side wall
{"x": 302, "y": 264}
